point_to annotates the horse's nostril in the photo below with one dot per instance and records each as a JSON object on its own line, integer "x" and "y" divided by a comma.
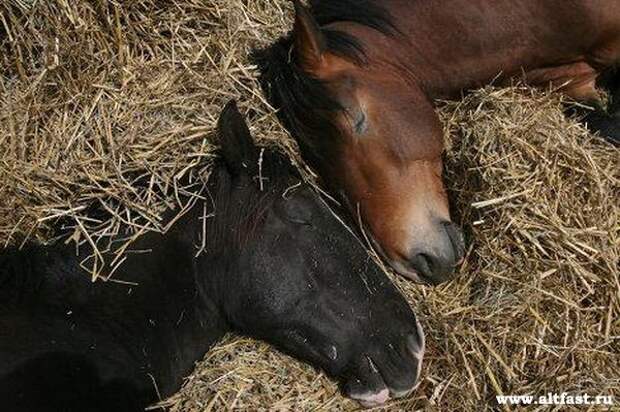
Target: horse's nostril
{"x": 416, "y": 342}
{"x": 426, "y": 266}
{"x": 435, "y": 259}
{"x": 457, "y": 239}
{"x": 434, "y": 269}
{"x": 421, "y": 263}
{"x": 416, "y": 345}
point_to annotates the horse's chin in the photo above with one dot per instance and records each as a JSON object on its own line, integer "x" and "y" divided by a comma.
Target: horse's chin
{"x": 404, "y": 271}
{"x": 396, "y": 264}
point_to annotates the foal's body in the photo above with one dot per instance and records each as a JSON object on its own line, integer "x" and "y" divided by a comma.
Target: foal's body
{"x": 277, "y": 266}
{"x": 356, "y": 80}
{"x": 101, "y": 346}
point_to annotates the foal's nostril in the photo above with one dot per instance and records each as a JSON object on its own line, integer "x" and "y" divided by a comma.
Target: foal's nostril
{"x": 414, "y": 344}
{"x": 421, "y": 262}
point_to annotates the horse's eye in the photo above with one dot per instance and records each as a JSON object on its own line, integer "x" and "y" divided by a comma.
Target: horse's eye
{"x": 360, "y": 122}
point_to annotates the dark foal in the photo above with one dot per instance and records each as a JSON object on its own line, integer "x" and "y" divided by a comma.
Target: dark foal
{"x": 356, "y": 80}
{"x": 277, "y": 266}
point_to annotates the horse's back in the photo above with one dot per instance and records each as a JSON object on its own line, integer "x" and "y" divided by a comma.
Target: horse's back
{"x": 463, "y": 44}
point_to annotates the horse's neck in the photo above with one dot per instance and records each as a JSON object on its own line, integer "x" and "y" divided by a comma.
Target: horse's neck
{"x": 460, "y": 44}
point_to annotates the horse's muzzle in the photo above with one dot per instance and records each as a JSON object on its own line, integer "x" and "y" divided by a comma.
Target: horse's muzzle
{"x": 436, "y": 262}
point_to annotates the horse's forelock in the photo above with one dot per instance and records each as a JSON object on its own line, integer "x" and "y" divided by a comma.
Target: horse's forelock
{"x": 305, "y": 105}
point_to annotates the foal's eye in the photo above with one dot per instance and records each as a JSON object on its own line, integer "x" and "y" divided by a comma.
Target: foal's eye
{"x": 300, "y": 221}
{"x": 296, "y": 210}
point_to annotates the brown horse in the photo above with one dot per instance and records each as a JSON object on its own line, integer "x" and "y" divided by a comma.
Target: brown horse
{"x": 356, "y": 80}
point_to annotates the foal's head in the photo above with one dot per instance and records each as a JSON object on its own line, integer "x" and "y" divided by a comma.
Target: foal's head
{"x": 293, "y": 275}
{"x": 370, "y": 131}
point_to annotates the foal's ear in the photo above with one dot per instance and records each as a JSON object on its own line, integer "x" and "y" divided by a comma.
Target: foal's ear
{"x": 236, "y": 143}
{"x": 310, "y": 42}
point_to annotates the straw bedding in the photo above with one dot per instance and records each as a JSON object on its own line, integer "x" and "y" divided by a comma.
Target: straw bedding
{"x": 107, "y": 112}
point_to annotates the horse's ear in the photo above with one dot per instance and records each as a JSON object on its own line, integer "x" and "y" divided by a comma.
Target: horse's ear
{"x": 310, "y": 43}
{"x": 236, "y": 143}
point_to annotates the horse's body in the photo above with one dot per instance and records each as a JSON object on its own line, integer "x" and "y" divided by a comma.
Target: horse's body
{"x": 356, "y": 81}
{"x": 277, "y": 266}
{"x": 462, "y": 44}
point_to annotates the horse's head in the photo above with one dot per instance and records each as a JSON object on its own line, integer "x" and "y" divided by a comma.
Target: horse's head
{"x": 374, "y": 137}
{"x": 300, "y": 280}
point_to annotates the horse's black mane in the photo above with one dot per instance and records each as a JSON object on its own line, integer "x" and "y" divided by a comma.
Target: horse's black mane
{"x": 306, "y": 109}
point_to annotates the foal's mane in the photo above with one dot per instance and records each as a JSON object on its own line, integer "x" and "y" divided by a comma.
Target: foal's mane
{"x": 305, "y": 107}
{"x": 23, "y": 270}
{"x": 275, "y": 171}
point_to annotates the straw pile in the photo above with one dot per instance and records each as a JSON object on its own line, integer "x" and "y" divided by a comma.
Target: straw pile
{"x": 109, "y": 106}
{"x": 107, "y": 111}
